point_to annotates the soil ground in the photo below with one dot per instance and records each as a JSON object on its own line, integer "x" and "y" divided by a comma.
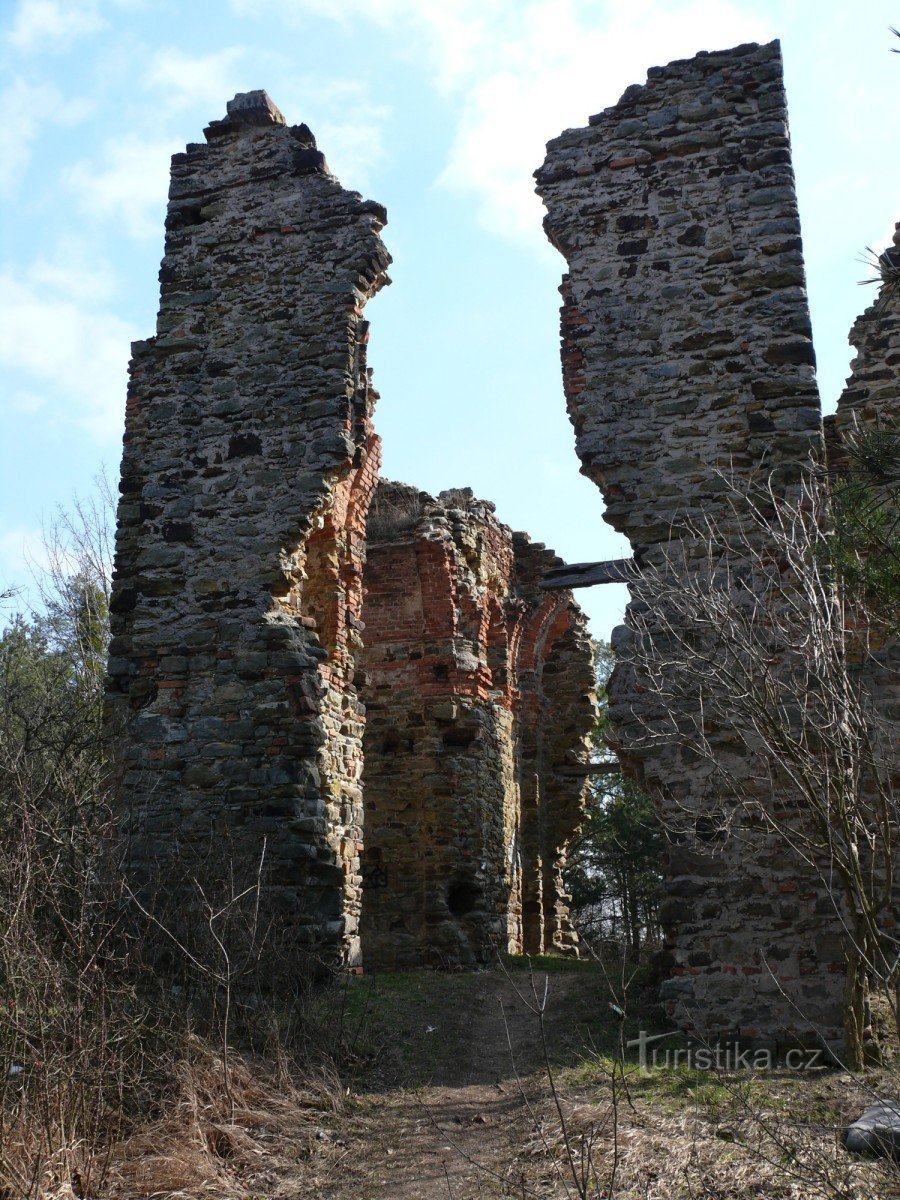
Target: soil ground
{"x": 450, "y": 1102}
{"x": 444, "y": 1093}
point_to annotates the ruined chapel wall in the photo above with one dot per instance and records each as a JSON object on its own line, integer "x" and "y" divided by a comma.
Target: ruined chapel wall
{"x": 249, "y": 461}
{"x": 441, "y": 857}
{"x": 872, "y": 394}
{"x": 555, "y": 682}
{"x": 687, "y": 352}
{"x": 458, "y": 639}
{"x": 869, "y": 404}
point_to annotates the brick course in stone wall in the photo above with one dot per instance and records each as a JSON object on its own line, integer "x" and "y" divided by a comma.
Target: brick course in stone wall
{"x": 237, "y": 673}
{"x": 234, "y": 707}
{"x": 687, "y": 356}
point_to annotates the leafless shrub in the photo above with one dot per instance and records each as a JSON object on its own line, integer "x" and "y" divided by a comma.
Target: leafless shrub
{"x": 746, "y": 631}
{"x": 74, "y": 1032}
{"x": 96, "y": 1031}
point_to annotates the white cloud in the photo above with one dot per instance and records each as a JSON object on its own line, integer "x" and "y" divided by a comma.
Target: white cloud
{"x": 24, "y": 401}
{"x": 129, "y": 183}
{"x": 38, "y": 24}
{"x": 187, "y": 80}
{"x": 453, "y": 33}
{"x": 21, "y": 548}
{"x": 348, "y": 125}
{"x": 552, "y": 72}
{"x": 353, "y": 149}
{"x": 68, "y": 361}
{"x": 518, "y": 73}
{"x": 73, "y": 272}
{"x": 24, "y": 108}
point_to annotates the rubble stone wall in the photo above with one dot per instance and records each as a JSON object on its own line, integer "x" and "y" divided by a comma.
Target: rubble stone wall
{"x": 687, "y": 355}
{"x": 870, "y": 398}
{"x": 870, "y": 404}
{"x": 465, "y": 822}
{"x": 249, "y": 463}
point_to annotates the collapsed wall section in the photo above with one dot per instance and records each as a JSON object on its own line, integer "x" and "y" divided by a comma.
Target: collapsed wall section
{"x": 688, "y": 363}
{"x": 871, "y": 399}
{"x": 249, "y": 463}
{"x": 456, "y": 828}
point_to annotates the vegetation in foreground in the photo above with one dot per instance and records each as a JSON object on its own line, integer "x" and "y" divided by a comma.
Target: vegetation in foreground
{"x": 125, "y": 1070}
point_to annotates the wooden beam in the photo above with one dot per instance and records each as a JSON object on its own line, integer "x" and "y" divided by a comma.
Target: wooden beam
{"x": 576, "y": 575}
{"x": 584, "y": 769}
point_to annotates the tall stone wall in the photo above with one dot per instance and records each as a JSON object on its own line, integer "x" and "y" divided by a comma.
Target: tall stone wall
{"x": 466, "y": 818}
{"x": 687, "y": 353}
{"x": 249, "y": 462}
{"x": 870, "y": 404}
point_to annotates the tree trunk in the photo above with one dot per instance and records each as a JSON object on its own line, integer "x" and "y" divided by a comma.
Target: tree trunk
{"x": 855, "y": 1009}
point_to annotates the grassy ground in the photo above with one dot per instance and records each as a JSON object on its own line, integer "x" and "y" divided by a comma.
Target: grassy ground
{"x": 445, "y": 1089}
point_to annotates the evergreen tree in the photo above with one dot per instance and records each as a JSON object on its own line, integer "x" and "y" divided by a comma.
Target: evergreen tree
{"x": 614, "y": 863}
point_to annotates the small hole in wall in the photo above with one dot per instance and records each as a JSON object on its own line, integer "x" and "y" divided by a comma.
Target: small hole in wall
{"x": 187, "y": 214}
{"x": 459, "y": 735}
{"x": 143, "y": 693}
{"x": 462, "y": 896}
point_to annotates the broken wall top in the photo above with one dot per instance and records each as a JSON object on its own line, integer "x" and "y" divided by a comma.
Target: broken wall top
{"x": 467, "y": 526}
{"x": 872, "y": 394}
{"x": 248, "y": 465}
{"x": 252, "y": 399}
{"x": 686, "y": 335}
{"x": 479, "y": 583}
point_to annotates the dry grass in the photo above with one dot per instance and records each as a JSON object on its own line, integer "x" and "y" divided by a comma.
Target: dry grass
{"x": 197, "y": 1149}
{"x": 689, "y": 1135}
{"x": 458, "y": 1123}
{"x": 667, "y": 1157}
{"x": 395, "y": 511}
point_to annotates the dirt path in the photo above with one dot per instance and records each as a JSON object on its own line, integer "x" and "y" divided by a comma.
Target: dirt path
{"x": 445, "y": 1115}
{"x": 438, "y": 1108}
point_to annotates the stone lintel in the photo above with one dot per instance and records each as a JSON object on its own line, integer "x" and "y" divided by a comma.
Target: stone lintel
{"x": 590, "y": 574}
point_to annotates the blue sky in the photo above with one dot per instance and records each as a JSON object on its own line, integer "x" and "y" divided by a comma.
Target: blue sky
{"x": 440, "y": 110}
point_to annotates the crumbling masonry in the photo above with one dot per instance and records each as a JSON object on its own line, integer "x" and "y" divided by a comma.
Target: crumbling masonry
{"x": 248, "y": 467}
{"x": 479, "y": 706}
{"x": 687, "y": 354}
{"x": 250, "y": 633}
{"x": 234, "y": 678}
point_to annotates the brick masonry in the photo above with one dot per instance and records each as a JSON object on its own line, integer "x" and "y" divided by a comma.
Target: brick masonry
{"x": 238, "y": 678}
{"x": 234, "y": 709}
{"x": 479, "y": 699}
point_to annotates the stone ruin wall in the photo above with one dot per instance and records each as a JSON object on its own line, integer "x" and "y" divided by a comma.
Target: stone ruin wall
{"x": 233, "y": 700}
{"x": 249, "y": 462}
{"x": 556, "y": 709}
{"x": 871, "y": 401}
{"x": 479, "y": 705}
{"x": 687, "y": 351}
